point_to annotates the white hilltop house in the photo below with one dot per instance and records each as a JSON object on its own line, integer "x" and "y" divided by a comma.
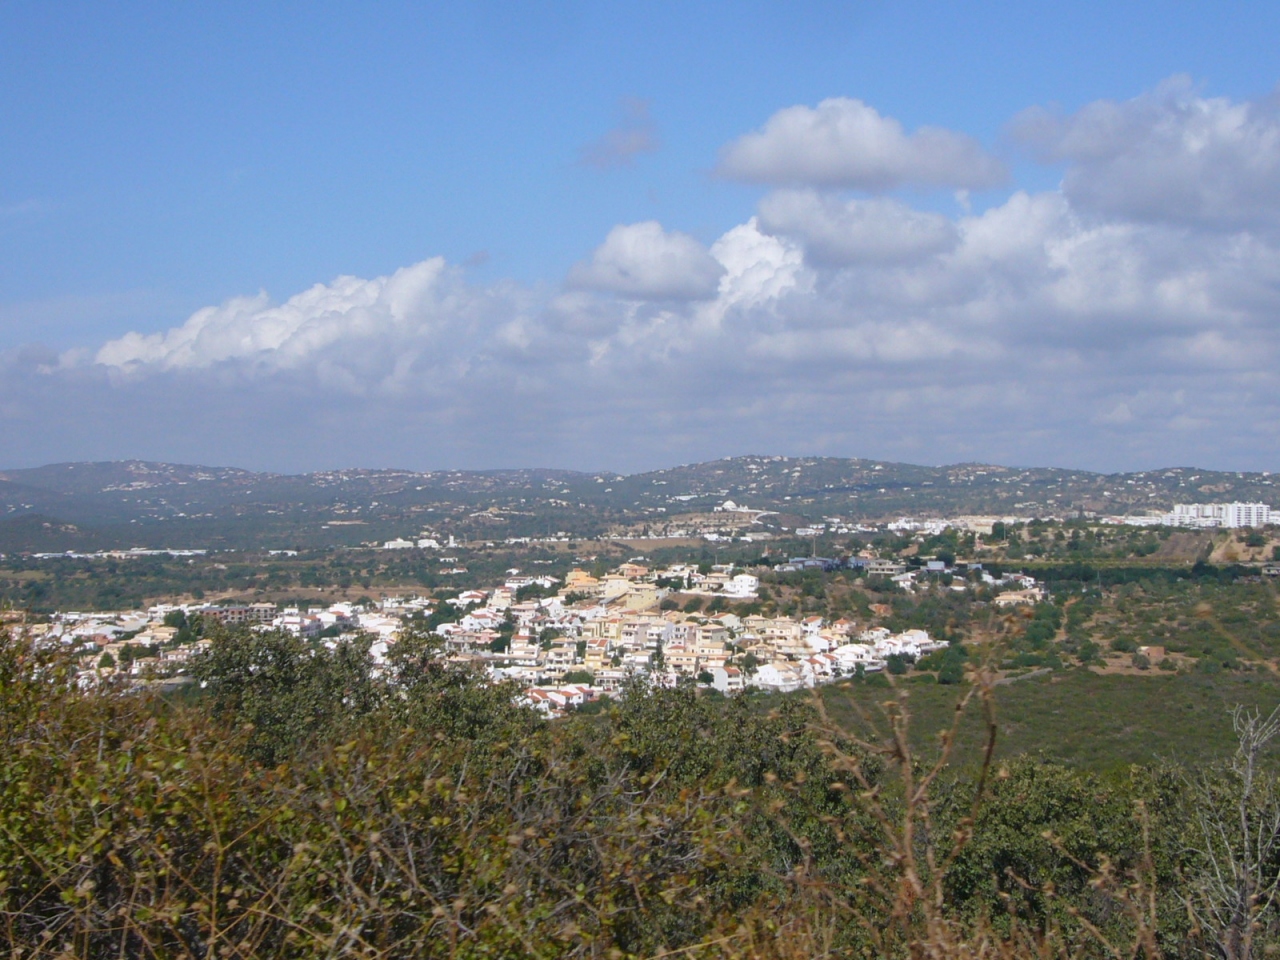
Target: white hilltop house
{"x": 780, "y": 676}
{"x": 726, "y": 679}
{"x": 852, "y": 655}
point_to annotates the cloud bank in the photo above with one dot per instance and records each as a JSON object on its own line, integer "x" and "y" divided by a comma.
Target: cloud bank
{"x": 1097, "y": 325}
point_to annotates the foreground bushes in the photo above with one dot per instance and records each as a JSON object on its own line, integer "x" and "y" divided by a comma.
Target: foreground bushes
{"x": 311, "y": 806}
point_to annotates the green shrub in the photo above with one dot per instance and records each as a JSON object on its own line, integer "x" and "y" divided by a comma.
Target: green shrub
{"x": 311, "y": 803}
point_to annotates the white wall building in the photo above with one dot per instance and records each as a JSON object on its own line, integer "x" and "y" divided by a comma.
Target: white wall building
{"x": 743, "y": 586}
{"x": 1230, "y": 515}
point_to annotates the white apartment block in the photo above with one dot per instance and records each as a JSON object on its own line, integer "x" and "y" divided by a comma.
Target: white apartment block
{"x": 1218, "y": 515}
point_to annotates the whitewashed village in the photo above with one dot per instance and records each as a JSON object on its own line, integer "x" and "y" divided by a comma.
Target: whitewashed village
{"x": 563, "y": 643}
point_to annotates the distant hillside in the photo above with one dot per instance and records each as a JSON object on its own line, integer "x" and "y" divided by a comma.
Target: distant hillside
{"x": 36, "y": 533}
{"x": 137, "y": 503}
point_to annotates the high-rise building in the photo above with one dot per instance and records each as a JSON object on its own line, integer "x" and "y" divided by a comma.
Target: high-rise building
{"x": 1219, "y": 515}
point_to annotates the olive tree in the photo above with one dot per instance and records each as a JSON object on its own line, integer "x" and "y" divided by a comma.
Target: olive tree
{"x": 1235, "y": 839}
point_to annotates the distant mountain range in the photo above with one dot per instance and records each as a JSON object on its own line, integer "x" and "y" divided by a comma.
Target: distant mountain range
{"x": 136, "y": 503}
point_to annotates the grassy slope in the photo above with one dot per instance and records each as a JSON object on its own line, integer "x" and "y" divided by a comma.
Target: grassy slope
{"x": 1102, "y": 723}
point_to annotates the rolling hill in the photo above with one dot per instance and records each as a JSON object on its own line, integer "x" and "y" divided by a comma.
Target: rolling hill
{"x": 138, "y": 503}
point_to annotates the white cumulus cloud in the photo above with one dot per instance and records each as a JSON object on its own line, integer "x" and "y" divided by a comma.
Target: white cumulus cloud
{"x": 760, "y": 268}
{"x": 645, "y": 261}
{"x": 1167, "y": 155}
{"x": 844, "y": 142}
{"x": 284, "y": 335}
{"x": 837, "y": 231}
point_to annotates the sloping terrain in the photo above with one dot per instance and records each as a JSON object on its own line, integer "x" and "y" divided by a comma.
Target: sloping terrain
{"x": 137, "y": 503}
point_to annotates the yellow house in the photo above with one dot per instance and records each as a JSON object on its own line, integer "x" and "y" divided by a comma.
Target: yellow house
{"x": 579, "y": 581}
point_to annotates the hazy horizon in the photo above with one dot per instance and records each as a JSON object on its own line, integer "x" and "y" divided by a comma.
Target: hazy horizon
{"x": 604, "y": 471}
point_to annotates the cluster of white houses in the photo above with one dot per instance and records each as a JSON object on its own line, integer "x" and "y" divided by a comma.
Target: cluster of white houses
{"x": 562, "y": 642}
{"x": 145, "y": 643}
{"x": 595, "y": 633}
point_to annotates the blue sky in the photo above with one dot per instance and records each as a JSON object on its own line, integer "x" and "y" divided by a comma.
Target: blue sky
{"x": 157, "y": 159}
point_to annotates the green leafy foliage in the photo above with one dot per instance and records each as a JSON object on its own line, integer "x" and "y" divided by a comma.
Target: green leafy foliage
{"x": 315, "y": 802}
